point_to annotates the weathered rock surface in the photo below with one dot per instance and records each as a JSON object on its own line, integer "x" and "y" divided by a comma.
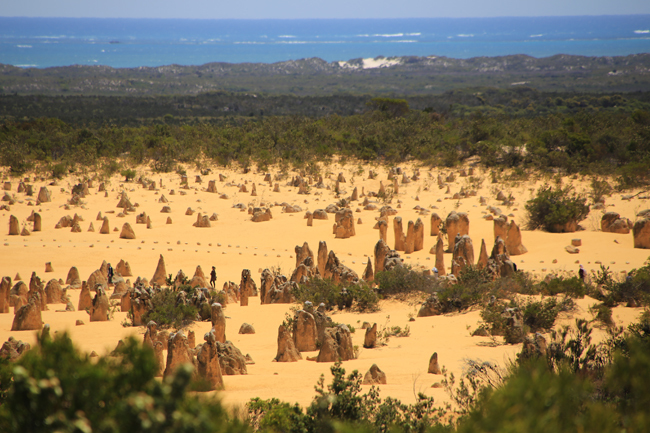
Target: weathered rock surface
{"x": 304, "y": 331}
{"x": 457, "y": 223}
{"x": 160, "y": 275}
{"x": 287, "y": 351}
{"x": 99, "y": 309}
{"x": 374, "y": 376}
{"x": 641, "y": 231}
{"x": 337, "y": 345}
{"x": 178, "y": 352}
{"x": 370, "y": 339}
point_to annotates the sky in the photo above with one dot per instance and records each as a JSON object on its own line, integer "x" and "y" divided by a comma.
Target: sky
{"x": 293, "y": 9}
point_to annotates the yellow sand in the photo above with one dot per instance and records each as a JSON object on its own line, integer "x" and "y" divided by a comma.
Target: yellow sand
{"x": 234, "y": 243}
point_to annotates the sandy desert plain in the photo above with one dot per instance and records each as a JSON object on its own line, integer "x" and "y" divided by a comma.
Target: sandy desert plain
{"x": 234, "y": 243}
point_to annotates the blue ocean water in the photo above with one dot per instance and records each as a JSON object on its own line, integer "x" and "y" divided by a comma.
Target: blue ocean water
{"x": 46, "y": 42}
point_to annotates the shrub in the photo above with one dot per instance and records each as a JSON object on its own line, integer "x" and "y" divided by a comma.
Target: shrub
{"x": 402, "y": 279}
{"x": 541, "y": 315}
{"x": 572, "y": 287}
{"x": 128, "y": 174}
{"x": 166, "y": 313}
{"x": 361, "y": 297}
{"x": 56, "y": 388}
{"x": 556, "y": 210}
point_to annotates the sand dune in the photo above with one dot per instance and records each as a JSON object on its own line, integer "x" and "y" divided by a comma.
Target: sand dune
{"x": 234, "y": 243}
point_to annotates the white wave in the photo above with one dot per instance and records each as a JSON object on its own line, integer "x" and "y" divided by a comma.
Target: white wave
{"x": 641, "y": 32}
{"x": 404, "y": 42}
{"x": 414, "y": 34}
{"x": 537, "y": 36}
{"x": 25, "y": 66}
{"x": 24, "y": 46}
{"x": 462, "y": 35}
{"x": 286, "y": 36}
{"x": 51, "y": 37}
{"x": 389, "y": 35}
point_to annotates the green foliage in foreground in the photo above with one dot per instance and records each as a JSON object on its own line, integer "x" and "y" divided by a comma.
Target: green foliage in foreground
{"x": 56, "y": 388}
{"x": 574, "y": 386}
{"x": 556, "y": 210}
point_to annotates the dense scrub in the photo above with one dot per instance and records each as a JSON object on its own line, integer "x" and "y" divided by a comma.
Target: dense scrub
{"x": 556, "y": 209}
{"x": 598, "y": 142}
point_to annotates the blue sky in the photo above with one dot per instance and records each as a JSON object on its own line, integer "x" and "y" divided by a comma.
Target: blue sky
{"x": 256, "y": 9}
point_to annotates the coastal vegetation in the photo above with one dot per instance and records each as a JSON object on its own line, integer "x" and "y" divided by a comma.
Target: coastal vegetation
{"x": 588, "y": 142}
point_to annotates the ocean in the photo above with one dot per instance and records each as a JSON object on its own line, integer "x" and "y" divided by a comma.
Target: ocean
{"x": 128, "y": 43}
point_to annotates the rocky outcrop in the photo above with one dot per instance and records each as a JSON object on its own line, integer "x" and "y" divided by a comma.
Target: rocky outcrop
{"x": 463, "y": 255}
{"x": 457, "y": 224}
{"x": 513, "y": 240}
{"x": 262, "y": 215}
{"x": 97, "y": 279}
{"x": 99, "y": 310}
{"x": 611, "y": 222}
{"x": 368, "y": 274}
{"x": 336, "y": 345}
{"x": 431, "y": 307}
{"x": 124, "y": 269}
{"x": 160, "y": 275}
{"x": 499, "y": 263}
{"x": 73, "y": 279}
{"x": 500, "y": 227}
{"x": 302, "y": 253}
{"x": 483, "y": 256}
{"x": 287, "y": 351}
{"x": 338, "y": 272}
{"x": 54, "y": 293}
{"x": 105, "y": 229}
{"x": 207, "y": 360}
{"x": 385, "y": 258}
{"x": 246, "y": 328}
{"x": 641, "y": 233}
{"x": 247, "y": 285}
{"x": 418, "y": 235}
{"x": 28, "y": 317}
{"x": 198, "y": 280}
{"x": 5, "y": 291}
{"x": 44, "y": 195}
{"x": 344, "y": 227}
{"x": 434, "y": 367}
{"x": 400, "y": 238}
{"x": 370, "y": 339}
{"x": 374, "y": 376}
{"x": 304, "y": 331}
{"x": 127, "y": 232}
{"x": 14, "y": 226}
{"x": 85, "y": 299}
{"x": 231, "y": 360}
{"x": 13, "y": 349}
{"x": 440, "y": 257}
{"x": 219, "y": 322}
{"x": 178, "y": 352}
{"x": 435, "y": 224}
{"x": 322, "y": 257}
{"x": 382, "y": 225}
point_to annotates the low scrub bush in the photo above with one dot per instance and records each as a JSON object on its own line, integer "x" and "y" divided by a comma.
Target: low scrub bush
{"x": 572, "y": 287}
{"x": 360, "y": 297}
{"x": 166, "y": 313}
{"x": 403, "y": 279}
{"x": 556, "y": 209}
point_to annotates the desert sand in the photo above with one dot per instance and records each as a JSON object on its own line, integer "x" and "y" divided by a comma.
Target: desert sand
{"x": 234, "y": 243}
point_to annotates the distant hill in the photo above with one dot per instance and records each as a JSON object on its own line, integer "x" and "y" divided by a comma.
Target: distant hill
{"x": 316, "y": 77}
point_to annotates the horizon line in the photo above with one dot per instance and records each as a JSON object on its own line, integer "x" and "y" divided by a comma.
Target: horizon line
{"x": 327, "y": 19}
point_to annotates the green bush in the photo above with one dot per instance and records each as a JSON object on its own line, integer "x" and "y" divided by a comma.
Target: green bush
{"x": 57, "y": 389}
{"x": 403, "y": 279}
{"x": 166, "y": 313}
{"x": 128, "y": 174}
{"x": 361, "y": 297}
{"x": 541, "y": 315}
{"x": 556, "y": 210}
{"x": 573, "y": 287}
